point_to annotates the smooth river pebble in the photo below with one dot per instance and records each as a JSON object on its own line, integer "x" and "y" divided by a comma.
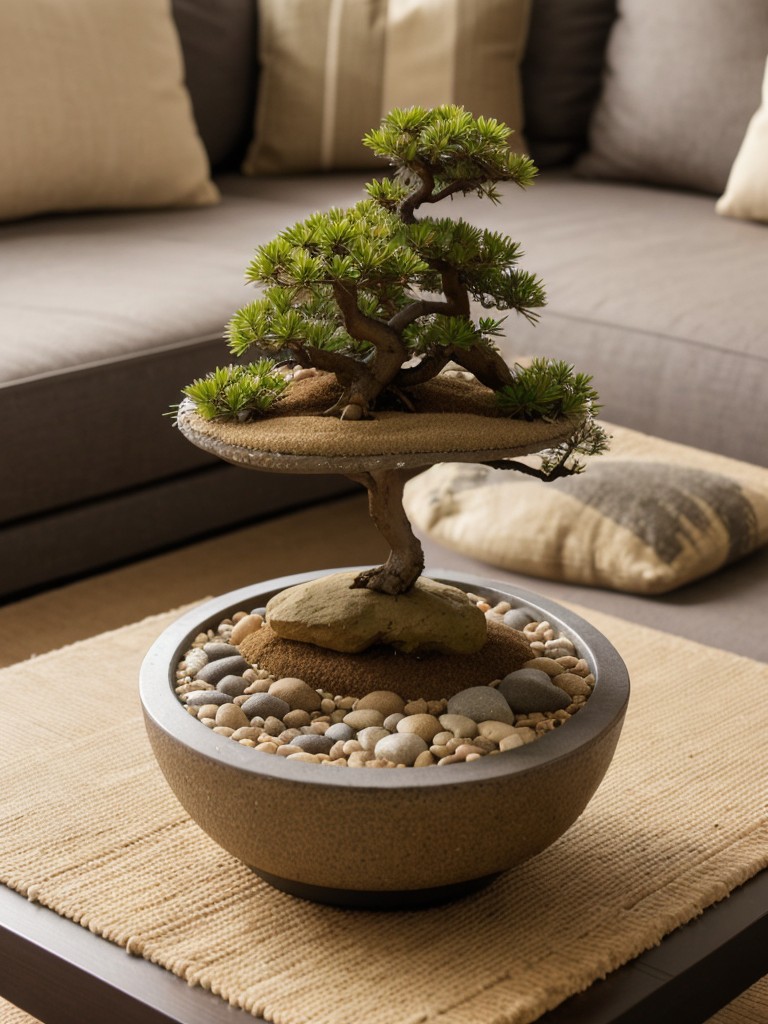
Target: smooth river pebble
{"x": 298, "y": 694}
{"x": 481, "y": 704}
{"x": 530, "y": 689}
{"x": 214, "y": 671}
{"x": 265, "y": 705}
{"x": 400, "y": 747}
{"x": 198, "y": 697}
{"x": 312, "y": 743}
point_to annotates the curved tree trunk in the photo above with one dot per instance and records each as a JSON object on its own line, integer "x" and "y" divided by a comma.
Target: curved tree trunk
{"x": 406, "y": 558}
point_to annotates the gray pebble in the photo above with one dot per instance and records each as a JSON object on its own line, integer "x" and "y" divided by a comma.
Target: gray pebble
{"x": 481, "y": 704}
{"x": 235, "y": 686}
{"x": 400, "y": 747}
{"x": 530, "y": 689}
{"x": 340, "y": 731}
{"x": 390, "y": 722}
{"x": 259, "y": 611}
{"x": 216, "y": 670}
{"x": 313, "y": 743}
{"x": 265, "y": 705}
{"x": 196, "y": 698}
{"x": 517, "y": 618}
{"x": 218, "y": 649}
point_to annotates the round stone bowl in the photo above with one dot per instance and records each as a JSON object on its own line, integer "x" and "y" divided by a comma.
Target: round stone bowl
{"x": 383, "y": 838}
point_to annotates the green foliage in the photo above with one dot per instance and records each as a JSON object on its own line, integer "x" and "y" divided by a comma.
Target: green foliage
{"x": 444, "y": 331}
{"x": 547, "y": 389}
{"x": 386, "y": 263}
{"x": 237, "y": 392}
{"x": 459, "y": 150}
{"x": 362, "y": 246}
{"x": 381, "y": 297}
{"x": 590, "y": 439}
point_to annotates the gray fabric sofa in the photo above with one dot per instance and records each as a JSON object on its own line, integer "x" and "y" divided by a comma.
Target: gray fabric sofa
{"x": 103, "y": 316}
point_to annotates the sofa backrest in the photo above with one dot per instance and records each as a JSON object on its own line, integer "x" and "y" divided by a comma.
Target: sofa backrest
{"x": 218, "y": 40}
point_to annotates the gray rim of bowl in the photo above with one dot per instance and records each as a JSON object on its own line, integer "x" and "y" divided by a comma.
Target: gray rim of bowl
{"x": 606, "y": 704}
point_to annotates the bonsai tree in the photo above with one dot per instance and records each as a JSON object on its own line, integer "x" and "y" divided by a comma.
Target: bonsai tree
{"x": 380, "y": 295}
{"x": 362, "y": 292}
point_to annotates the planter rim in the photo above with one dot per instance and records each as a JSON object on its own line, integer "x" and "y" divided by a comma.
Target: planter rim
{"x": 606, "y": 704}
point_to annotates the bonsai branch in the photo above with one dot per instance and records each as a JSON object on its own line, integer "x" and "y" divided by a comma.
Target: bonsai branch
{"x": 486, "y": 364}
{"x": 368, "y": 378}
{"x": 428, "y": 368}
{"x": 560, "y": 469}
{"x": 420, "y": 195}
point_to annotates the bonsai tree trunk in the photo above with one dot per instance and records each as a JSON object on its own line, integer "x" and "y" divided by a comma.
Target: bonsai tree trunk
{"x": 406, "y": 559}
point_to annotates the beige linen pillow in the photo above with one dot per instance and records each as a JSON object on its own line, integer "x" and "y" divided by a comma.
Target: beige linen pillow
{"x": 93, "y": 109}
{"x": 746, "y": 194}
{"x": 331, "y": 69}
{"x": 647, "y": 518}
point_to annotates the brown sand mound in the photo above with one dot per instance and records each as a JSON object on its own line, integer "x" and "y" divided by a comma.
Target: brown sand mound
{"x": 313, "y": 395}
{"x": 430, "y": 676}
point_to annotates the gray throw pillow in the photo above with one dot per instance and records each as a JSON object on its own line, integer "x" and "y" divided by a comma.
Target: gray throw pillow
{"x": 680, "y": 85}
{"x": 562, "y": 71}
{"x": 218, "y": 41}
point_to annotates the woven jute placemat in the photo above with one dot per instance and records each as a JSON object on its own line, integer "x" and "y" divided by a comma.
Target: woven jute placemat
{"x": 90, "y": 829}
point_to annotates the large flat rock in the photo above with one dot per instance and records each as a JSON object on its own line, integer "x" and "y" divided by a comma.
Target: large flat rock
{"x": 328, "y": 612}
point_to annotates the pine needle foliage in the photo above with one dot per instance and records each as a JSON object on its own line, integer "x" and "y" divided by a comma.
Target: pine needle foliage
{"x": 381, "y": 294}
{"x": 380, "y": 297}
{"x": 547, "y": 389}
{"x": 589, "y": 439}
{"x": 465, "y": 154}
{"x": 237, "y": 392}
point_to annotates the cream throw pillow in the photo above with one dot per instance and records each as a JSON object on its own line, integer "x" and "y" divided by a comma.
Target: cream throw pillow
{"x": 331, "y": 69}
{"x": 746, "y": 194}
{"x": 647, "y": 518}
{"x": 93, "y": 109}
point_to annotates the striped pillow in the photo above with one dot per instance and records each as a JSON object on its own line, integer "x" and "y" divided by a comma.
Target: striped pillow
{"x": 331, "y": 69}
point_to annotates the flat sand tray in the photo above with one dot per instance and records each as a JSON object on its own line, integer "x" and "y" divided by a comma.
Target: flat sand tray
{"x": 456, "y": 420}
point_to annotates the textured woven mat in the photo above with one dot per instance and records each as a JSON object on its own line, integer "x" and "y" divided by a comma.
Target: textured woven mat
{"x": 89, "y": 828}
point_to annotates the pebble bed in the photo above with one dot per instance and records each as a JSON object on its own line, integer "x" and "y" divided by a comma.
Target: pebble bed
{"x": 288, "y": 718}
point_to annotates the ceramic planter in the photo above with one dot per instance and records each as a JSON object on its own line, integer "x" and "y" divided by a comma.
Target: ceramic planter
{"x": 383, "y": 838}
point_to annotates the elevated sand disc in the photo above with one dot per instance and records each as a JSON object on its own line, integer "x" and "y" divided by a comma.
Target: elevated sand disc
{"x": 455, "y": 421}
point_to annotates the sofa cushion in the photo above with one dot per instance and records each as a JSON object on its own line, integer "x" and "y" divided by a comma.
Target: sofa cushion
{"x": 746, "y": 194}
{"x": 647, "y": 518}
{"x": 105, "y": 317}
{"x": 562, "y": 71}
{"x": 680, "y": 86}
{"x": 331, "y": 71}
{"x": 93, "y": 112}
{"x": 218, "y": 41}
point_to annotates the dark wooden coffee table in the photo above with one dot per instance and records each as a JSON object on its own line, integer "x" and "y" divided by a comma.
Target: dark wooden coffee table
{"x": 63, "y": 974}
